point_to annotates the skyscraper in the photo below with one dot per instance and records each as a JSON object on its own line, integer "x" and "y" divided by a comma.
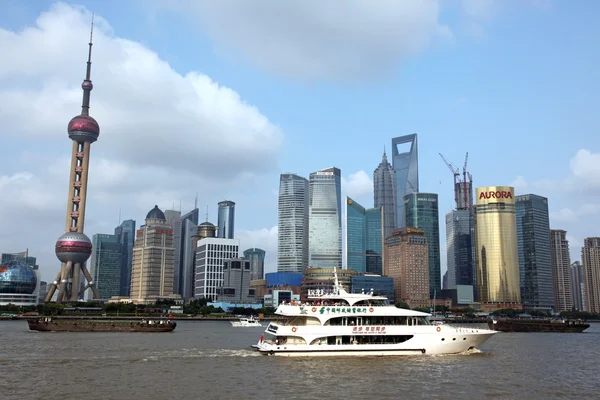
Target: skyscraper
{"x": 577, "y": 282}
{"x": 561, "y": 270}
{"x": 364, "y": 238}
{"x": 384, "y": 191}
{"x": 226, "y": 219}
{"x": 590, "y": 263}
{"x": 421, "y": 211}
{"x": 106, "y": 265}
{"x": 497, "y": 255}
{"x": 535, "y": 262}
{"x": 406, "y": 166}
{"x": 459, "y": 248}
{"x": 153, "y": 259}
{"x": 74, "y": 248}
{"x": 125, "y": 234}
{"x": 257, "y": 262}
{"x": 292, "y": 224}
{"x": 185, "y": 277}
{"x": 211, "y": 255}
{"x": 325, "y": 219}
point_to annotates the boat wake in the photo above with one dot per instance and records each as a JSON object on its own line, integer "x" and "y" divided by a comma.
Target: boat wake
{"x": 201, "y": 353}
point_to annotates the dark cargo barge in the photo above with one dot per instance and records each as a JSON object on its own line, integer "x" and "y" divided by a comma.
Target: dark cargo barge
{"x": 537, "y": 325}
{"x": 47, "y": 324}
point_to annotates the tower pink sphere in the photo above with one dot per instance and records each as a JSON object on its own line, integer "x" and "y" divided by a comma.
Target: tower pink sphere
{"x": 73, "y": 246}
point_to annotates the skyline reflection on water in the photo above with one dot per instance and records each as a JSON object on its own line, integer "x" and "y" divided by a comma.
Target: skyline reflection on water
{"x": 213, "y": 360}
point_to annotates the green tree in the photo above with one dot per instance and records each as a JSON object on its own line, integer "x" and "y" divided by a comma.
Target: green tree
{"x": 401, "y": 304}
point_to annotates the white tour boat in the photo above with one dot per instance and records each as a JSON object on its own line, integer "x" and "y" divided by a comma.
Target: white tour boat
{"x": 342, "y": 323}
{"x": 248, "y": 322}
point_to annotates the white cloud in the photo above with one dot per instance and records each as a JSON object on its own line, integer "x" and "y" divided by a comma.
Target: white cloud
{"x": 479, "y": 9}
{"x": 310, "y": 39}
{"x": 357, "y": 185}
{"x": 519, "y": 184}
{"x": 163, "y": 136}
{"x": 569, "y": 215}
{"x": 585, "y": 167}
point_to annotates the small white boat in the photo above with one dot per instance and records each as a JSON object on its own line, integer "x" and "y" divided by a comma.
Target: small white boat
{"x": 247, "y": 322}
{"x": 340, "y": 323}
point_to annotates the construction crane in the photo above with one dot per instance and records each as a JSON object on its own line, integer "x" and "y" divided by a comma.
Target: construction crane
{"x": 456, "y": 172}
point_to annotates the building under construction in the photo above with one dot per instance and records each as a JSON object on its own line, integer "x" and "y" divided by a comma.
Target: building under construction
{"x": 460, "y": 230}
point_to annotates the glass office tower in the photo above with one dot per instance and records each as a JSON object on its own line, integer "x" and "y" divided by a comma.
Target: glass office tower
{"x": 496, "y": 246}
{"x": 292, "y": 224}
{"x": 364, "y": 238}
{"x": 422, "y": 212}
{"x": 226, "y": 219}
{"x": 406, "y": 166}
{"x": 325, "y": 219}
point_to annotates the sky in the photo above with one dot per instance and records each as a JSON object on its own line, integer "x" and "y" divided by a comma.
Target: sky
{"x": 216, "y": 99}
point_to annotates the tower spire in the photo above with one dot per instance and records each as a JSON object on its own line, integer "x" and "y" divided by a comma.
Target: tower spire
{"x": 87, "y": 83}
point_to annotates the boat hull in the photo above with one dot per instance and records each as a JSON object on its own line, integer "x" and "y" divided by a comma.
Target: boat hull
{"x": 537, "y": 326}
{"x": 98, "y": 326}
{"x": 425, "y": 344}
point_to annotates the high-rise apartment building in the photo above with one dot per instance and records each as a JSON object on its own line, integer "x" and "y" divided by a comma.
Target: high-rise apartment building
{"x": 325, "y": 219}
{"x": 106, "y": 265}
{"x": 384, "y": 191}
{"x": 459, "y": 248}
{"x": 292, "y": 223}
{"x": 256, "y": 257}
{"x": 226, "y": 219}
{"x": 421, "y": 211}
{"x": 153, "y": 260}
{"x": 497, "y": 255}
{"x": 407, "y": 261}
{"x": 561, "y": 270}
{"x": 535, "y": 263}
{"x": 405, "y": 161}
{"x": 211, "y": 254}
{"x": 184, "y": 276}
{"x": 577, "y": 283}
{"x": 590, "y": 262}
{"x": 364, "y": 238}
{"x": 125, "y": 234}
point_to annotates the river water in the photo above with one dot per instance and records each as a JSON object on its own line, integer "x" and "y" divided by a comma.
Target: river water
{"x": 213, "y": 360}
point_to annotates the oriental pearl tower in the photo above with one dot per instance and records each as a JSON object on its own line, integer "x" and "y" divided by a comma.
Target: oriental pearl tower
{"x": 74, "y": 248}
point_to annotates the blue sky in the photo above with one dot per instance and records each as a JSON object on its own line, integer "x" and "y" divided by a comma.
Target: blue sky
{"x": 514, "y": 83}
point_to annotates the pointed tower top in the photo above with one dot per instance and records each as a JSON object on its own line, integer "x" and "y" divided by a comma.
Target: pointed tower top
{"x": 84, "y": 128}
{"x": 384, "y": 158}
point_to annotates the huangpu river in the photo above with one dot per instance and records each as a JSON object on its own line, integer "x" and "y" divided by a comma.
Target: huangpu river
{"x": 213, "y": 360}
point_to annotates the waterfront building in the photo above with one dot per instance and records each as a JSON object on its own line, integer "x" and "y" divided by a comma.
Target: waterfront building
{"x": 407, "y": 262}
{"x": 405, "y": 161}
{"x": 20, "y": 282}
{"x": 210, "y": 256}
{"x": 125, "y": 234}
{"x": 236, "y": 282}
{"x": 590, "y": 262}
{"x": 106, "y": 265}
{"x": 384, "y": 192}
{"x": 379, "y": 285}
{"x": 577, "y": 283}
{"x": 364, "y": 238}
{"x": 184, "y": 276}
{"x": 292, "y": 223}
{"x": 561, "y": 270}
{"x": 74, "y": 248}
{"x": 535, "y": 261}
{"x": 325, "y": 219}
{"x": 257, "y": 262}
{"x": 153, "y": 260}
{"x": 459, "y": 248}
{"x": 421, "y": 211}
{"x": 276, "y": 297}
{"x": 284, "y": 280}
{"x": 226, "y": 219}
{"x": 496, "y": 255}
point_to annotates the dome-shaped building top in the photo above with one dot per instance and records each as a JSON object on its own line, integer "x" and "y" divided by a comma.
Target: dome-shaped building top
{"x": 156, "y": 213}
{"x": 16, "y": 277}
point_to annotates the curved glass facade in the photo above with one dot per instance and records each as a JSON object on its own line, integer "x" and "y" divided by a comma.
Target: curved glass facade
{"x": 496, "y": 245}
{"x": 17, "y": 277}
{"x": 226, "y": 219}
